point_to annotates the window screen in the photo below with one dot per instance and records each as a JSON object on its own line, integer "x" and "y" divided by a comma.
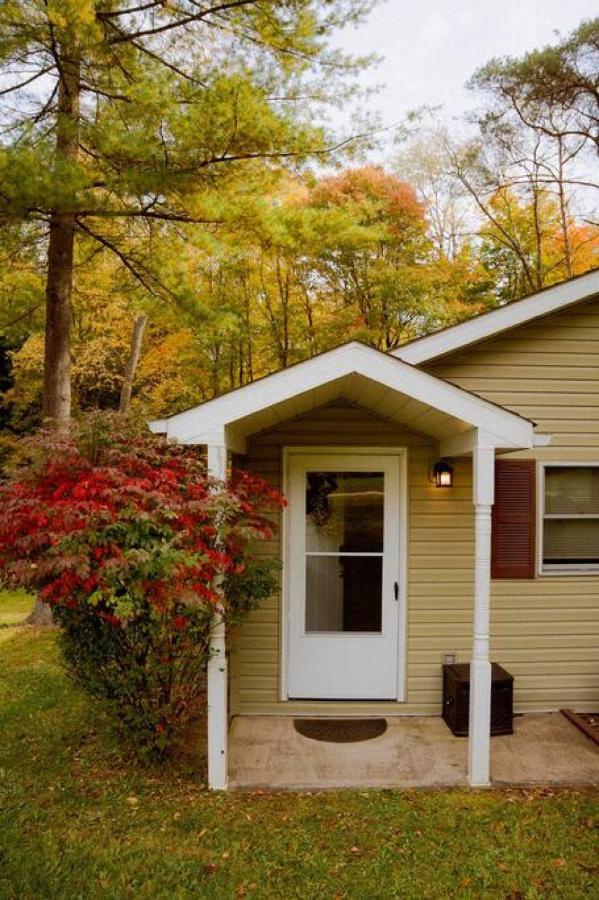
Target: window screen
{"x": 571, "y": 517}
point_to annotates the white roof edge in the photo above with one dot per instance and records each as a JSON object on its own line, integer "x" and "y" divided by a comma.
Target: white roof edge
{"x": 487, "y": 325}
{"x": 198, "y": 424}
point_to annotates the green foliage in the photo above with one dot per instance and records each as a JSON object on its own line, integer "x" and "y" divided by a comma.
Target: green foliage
{"x": 553, "y": 89}
{"x": 149, "y": 675}
{"x": 524, "y": 240}
{"x": 174, "y": 121}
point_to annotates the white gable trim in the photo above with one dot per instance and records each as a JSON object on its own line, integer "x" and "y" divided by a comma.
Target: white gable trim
{"x": 489, "y": 324}
{"x": 217, "y": 417}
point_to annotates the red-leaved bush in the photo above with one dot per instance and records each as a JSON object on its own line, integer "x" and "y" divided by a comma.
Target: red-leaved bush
{"x": 136, "y": 549}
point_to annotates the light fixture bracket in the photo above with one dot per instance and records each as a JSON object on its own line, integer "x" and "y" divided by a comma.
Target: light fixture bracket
{"x": 443, "y": 474}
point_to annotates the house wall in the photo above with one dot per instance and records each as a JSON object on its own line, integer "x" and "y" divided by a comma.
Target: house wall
{"x": 440, "y": 539}
{"x": 546, "y": 630}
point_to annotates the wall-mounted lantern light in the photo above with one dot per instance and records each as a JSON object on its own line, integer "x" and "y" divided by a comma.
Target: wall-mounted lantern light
{"x": 443, "y": 474}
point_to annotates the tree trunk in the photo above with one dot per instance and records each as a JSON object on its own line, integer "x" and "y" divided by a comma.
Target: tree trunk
{"x": 563, "y": 209}
{"x": 136, "y": 341}
{"x": 57, "y": 354}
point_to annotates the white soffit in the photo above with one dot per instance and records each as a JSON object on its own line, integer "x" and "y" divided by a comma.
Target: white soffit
{"x": 497, "y": 321}
{"x": 237, "y": 413}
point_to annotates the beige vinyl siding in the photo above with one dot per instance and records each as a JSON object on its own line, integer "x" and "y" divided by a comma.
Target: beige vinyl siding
{"x": 440, "y": 568}
{"x": 546, "y": 630}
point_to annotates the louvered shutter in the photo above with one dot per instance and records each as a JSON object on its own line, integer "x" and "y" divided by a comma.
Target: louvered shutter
{"x": 514, "y": 519}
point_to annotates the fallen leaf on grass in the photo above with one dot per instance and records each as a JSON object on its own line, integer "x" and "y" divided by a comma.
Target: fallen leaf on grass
{"x": 558, "y": 863}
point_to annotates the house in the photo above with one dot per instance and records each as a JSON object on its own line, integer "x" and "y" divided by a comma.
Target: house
{"x": 385, "y": 573}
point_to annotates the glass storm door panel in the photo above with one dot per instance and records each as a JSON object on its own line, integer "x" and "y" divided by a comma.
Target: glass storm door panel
{"x": 342, "y": 579}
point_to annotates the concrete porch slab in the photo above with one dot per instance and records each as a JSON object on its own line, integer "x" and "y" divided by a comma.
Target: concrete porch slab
{"x": 267, "y": 752}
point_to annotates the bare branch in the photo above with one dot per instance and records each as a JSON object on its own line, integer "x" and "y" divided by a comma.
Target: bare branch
{"x": 115, "y": 13}
{"x": 22, "y": 84}
{"x": 24, "y": 315}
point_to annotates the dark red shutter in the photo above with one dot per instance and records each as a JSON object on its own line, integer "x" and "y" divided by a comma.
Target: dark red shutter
{"x": 514, "y": 519}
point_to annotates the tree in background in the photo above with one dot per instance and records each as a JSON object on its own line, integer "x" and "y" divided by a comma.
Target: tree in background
{"x": 520, "y": 191}
{"x": 554, "y": 90}
{"x": 422, "y": 161}
{"x": 522, "y": 238}
{"x": 247, "y": 265}
{"x": 537, "y": 140}
{"x": 126, "y": 119}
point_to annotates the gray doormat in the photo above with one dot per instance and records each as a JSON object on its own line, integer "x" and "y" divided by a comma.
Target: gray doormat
{"x": 340, "y": 731}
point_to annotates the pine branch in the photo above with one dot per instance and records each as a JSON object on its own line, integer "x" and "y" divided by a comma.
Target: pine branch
{"x": 144, "y": 278}
{"x": 115, "y": 13}
{"x": 145, "y": 213}
{"x": 126, "y": 37}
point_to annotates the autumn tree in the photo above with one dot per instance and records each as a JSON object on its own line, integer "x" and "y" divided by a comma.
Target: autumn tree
{"x": 379, "y": 261}
{"x": 521, "y": 237}
{"x": 127, "y": 119}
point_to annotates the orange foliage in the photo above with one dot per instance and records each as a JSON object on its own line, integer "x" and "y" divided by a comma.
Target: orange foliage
{"x": 370, "y": 186}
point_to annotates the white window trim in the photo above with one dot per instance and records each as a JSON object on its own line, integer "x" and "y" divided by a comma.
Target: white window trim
{"x": 558, "y": 570}
{"x": 402, "y": 453}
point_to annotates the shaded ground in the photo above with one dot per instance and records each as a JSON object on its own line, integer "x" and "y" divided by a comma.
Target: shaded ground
{"x": 79, "y": 819}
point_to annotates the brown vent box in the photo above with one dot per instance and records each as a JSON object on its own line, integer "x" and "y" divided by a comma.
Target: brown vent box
{"x": 456, "y": 699}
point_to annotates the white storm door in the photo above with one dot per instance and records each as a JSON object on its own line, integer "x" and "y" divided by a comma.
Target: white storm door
{"x": 343, "y": 575}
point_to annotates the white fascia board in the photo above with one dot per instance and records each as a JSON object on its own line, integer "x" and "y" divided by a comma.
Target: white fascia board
{"x": 192, "y": 425}
{"x": 489, "y": 324}
{"x": 196, "y": 425}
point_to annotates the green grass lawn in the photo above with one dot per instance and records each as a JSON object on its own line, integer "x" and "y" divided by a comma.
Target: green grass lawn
{"x": 15, "y": 606}
{"x": 79, "y": 820}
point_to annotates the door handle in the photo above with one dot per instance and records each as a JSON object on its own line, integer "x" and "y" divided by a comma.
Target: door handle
{"x": 396, "y": 590}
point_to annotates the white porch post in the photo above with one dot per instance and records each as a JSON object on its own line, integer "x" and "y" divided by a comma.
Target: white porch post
{"x": 218, "y": 718}
{"x": 479, "y": 741}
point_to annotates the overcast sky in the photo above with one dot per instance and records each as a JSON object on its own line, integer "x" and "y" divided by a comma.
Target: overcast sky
{"x": 432, "y": 47}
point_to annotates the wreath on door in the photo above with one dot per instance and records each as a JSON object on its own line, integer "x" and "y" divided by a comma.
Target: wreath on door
{"x": 320, "y": 486}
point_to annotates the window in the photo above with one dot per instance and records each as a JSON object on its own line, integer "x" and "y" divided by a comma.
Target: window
{"x": 571, "y": 518}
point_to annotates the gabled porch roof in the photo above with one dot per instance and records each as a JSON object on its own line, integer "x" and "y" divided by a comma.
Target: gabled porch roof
{"x": 389, "y": 386}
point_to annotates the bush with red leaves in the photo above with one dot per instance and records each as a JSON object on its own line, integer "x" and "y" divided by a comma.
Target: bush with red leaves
{"x": 136, "y": 549}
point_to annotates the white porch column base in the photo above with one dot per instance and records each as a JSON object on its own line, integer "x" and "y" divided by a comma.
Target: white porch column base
{"x": 479, "y": 741}
{"x": 217, "y": 700}
{"x": 218, "y": 719}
